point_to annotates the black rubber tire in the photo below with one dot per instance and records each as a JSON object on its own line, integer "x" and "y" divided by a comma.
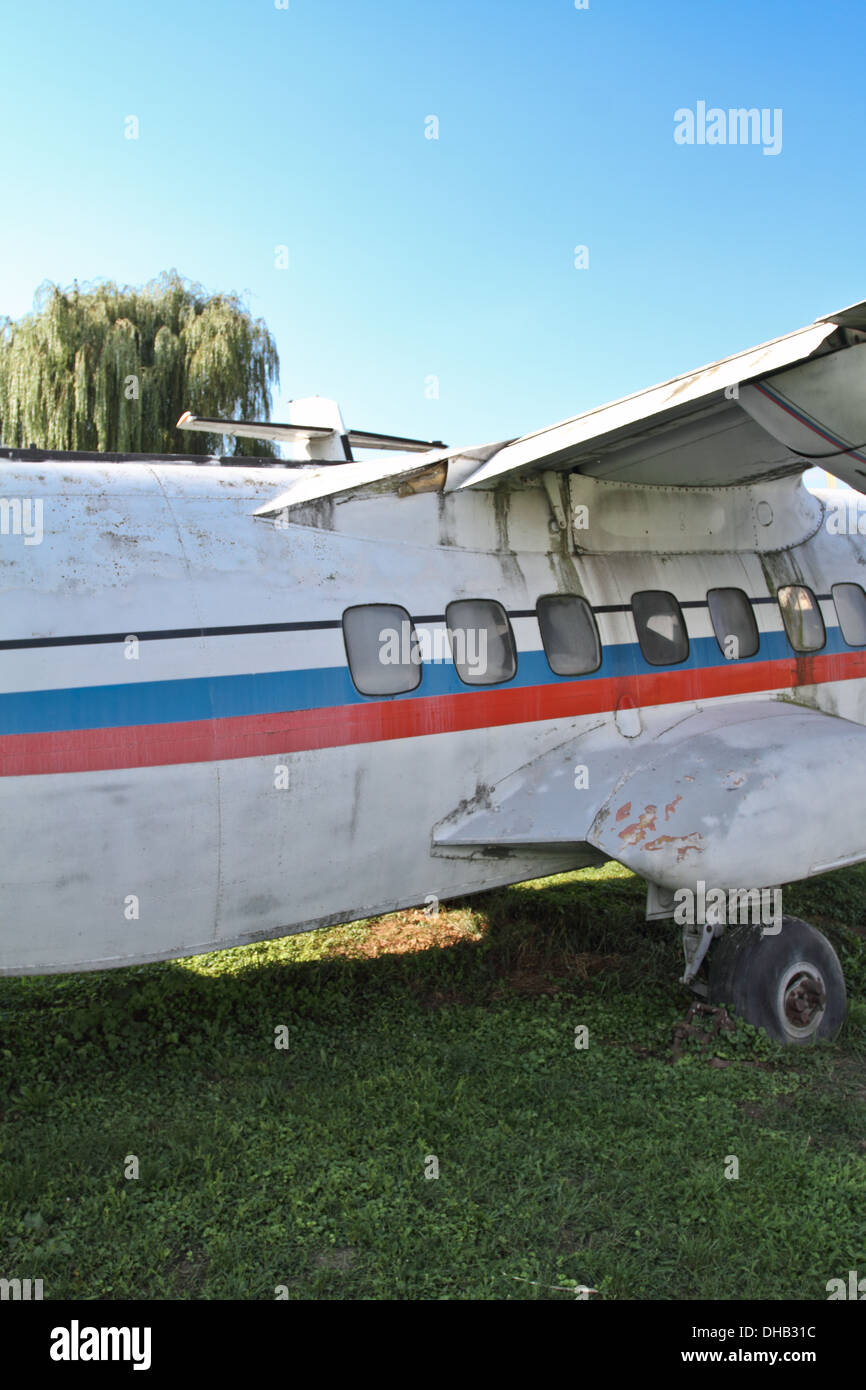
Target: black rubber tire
{"x": 750, "y": 971}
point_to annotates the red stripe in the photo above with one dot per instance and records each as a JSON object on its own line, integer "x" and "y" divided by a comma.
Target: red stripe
{"x": 248, "y": 736}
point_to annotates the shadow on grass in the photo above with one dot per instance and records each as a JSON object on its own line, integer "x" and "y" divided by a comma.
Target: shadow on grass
{"x": 578, "y": 931}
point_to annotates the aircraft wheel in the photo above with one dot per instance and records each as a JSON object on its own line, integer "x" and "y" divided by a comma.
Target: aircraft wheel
{"x": 790, "y": 984}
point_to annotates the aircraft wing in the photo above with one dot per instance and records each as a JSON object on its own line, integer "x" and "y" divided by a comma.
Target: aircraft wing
{"x": 777, "y": 408}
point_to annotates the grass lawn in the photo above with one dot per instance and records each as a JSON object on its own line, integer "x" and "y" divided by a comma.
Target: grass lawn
{"x": 414, "y": 1038}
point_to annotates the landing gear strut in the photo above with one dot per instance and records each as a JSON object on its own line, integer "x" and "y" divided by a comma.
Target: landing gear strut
{"x": 790, "y": 983}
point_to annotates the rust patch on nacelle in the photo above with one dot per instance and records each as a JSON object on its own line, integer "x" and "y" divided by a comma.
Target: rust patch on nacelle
{"x": 687, "y": 842}
{"x": 636, "y": 832}
{"x": 671, "y": 807}
{"x": 624, "y": 811}
{"x": 732, "y": 780}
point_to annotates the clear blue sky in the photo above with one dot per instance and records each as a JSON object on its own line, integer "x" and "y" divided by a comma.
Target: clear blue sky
{"x": 412, "y": 257}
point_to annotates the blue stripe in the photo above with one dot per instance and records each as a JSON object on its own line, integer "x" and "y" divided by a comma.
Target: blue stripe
{"x": 225, "y": 697}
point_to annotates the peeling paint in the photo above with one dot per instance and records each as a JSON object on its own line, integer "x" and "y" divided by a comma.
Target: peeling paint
{"x": 636, "y": 832}
{"x": 732, "y": 780}
{"x": 684, "y": 843}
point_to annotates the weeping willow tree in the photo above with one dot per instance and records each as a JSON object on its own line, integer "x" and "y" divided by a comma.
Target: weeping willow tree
{"x": 110, "y": 368}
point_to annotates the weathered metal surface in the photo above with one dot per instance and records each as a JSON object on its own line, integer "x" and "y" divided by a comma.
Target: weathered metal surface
{"x": 716, "y": 798}
{"x": 628, "y": 518}
{"x": 309, "y": 485}
{"x": 701, "y": 800}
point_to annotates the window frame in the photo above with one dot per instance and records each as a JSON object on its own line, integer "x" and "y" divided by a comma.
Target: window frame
{"x": 481, "y": 685}
{"x": 802, "y": 651}
{"x": 846, "y": 584}
{"x": 733, "y": 589}
{"x": 419, "y": 665}
{"x": 661, "y": 665}
{"x": 580, "y": 598}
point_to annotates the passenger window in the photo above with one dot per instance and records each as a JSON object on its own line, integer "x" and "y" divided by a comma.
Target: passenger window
{"x": 661, "y": 630}
{"x": 802, "y": 618}
{"x": 383, "y": 652}
{"x": 482, "y": 643}
{"x": 850, "y": 602}
{"x": 733, "y": 623}
{"x": 569, "y": 634}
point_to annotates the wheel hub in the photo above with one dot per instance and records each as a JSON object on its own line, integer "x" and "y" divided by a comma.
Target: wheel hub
{"x": 803, "y": 999}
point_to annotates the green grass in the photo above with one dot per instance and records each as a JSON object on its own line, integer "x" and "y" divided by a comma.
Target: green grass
{"x": 305, "y": 1167}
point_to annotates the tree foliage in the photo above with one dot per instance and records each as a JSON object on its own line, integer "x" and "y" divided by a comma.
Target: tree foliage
{"x": 111, "y": 368}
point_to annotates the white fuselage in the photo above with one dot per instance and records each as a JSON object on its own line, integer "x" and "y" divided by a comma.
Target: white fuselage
{"x": 185, "y": 763}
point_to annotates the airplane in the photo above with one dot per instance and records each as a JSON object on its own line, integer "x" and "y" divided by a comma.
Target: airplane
{"x": 242, "y": 699}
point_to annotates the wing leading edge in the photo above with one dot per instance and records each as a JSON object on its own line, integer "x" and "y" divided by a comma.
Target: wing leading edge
{"x": 775, "y": 408}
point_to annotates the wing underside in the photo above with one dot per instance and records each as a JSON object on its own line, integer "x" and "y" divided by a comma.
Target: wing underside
{"x": 778, "y": 408}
